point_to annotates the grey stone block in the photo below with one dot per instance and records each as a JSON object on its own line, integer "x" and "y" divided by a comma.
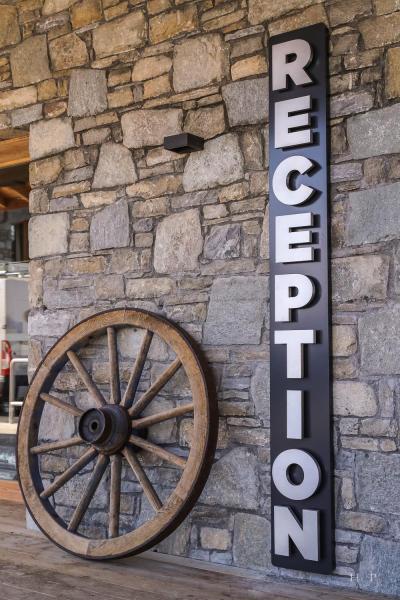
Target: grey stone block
{"x": 260, "y": 391}
{"x": 48, "y": 234}
{"x": 223, "y": 241}
{"x": 378, "y": 427}
{"x": 153, "y": 287}
{"x": 115, "y": 166}
{"x": 264, "y": 240}
{"x": 375, "y": 132}
{"x": 220, "y": 163}
{"x": 68, "y": 51}
{"x": 87, "y": 92}
{"x": 260, "y": 11}
{"x": 78, "y": 174}
{"x": 53, "y": 426}
{"x": 16, "y": 98}
{"x": 357, "y": 278}
{"x": 109, "y": 286}
{"x": 32, "y": 52}
{"x": 9, "y": 27}
{"x": 24, "y": 116}
{"x": 252, "y": 149}
{"x": 346, "y": 172}
{"x": 149, "y": 127}
{"x": 199, "y": 62}
{"x": 110, "y": 227}
{"x": 72, "y": 298}
{"x": 251, "y": 541}
{"x": 51, "y": 324}
{"x": 246, "y": 101}
{"x": 155, "y": 187}
{"x": 361, "y": 521}
{"x": 344, "y": 340}
{"x": 70, "y": 492}
{"x": 396, "y": 275}
{"x": 346, "y": 554}
{"x": 374, "y": 214}
{"x": 233, "y": 481}
{"x": 379, "y": 566}
{"x": 380, "y": 341}
{"x": 120, "y": 35}
{"x": 177, "y": 542}
{"x": 50, "y": 137}
{"x": 354, "y": 398}
{"x": 38, "y": 201}
{"x": 342, "y": 536}
{"x": 236, "y": 311}
{"x": 179, "y": 242}
{"x": 67, "y": 203}
{"x": 378, "y": 482}
{"x": 206, "y": 122}
{"x": 351, "y": 102}
{"x": 213, "y": 538}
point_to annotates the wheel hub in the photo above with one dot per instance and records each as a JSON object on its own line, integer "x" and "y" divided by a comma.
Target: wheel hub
{"x": 107, "y": 428}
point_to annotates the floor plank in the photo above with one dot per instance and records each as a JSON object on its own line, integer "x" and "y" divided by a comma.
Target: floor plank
{"x": 30, "y": 566}
{"x": 10, "y": 492}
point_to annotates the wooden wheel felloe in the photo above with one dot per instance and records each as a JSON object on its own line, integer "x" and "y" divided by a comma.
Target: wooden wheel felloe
{"x": 109, "y": 443}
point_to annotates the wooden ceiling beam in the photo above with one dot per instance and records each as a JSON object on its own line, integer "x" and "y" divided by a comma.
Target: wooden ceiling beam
{"x": 7, "y": 205}
{"x": 12, "y": 198}
{"x": 14, "y": 151}
{"x": 15, "y": 191}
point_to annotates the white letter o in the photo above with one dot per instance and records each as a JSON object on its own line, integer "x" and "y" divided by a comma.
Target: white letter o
{"x": 311, "y": 470}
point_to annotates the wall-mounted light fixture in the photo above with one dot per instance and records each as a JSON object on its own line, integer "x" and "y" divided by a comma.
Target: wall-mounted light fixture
{"x": 183, "y": 142}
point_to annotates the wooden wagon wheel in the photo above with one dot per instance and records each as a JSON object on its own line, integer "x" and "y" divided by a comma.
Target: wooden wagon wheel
{"x": 111, "y": 432}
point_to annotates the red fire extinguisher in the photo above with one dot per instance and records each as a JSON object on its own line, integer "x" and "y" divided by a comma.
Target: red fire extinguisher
{"x": 5, "y": 358}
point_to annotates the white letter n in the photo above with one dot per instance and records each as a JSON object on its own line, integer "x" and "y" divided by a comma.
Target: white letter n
{"x": 305, "y": 538}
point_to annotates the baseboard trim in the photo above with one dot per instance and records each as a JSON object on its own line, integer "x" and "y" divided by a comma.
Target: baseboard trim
{"x": 203, "y": 565}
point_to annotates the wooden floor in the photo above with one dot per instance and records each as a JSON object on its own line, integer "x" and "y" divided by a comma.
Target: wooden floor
{"x": 32, "y": 568}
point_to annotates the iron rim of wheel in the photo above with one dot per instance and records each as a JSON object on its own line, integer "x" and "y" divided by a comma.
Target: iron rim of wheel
{"x": 195, "y": 468}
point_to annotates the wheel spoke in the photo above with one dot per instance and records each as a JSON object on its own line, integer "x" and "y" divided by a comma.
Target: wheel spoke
{"x": 74, "y": 441}
{"x": 134, "y": 379}
{"x": 141, "y": 476}
{"x": 162, "y": 416}
{"x": 158, "y": 451}
{"x": 153, "y": 390}
{"x": 87, "y": 380}
{"x": 84, "y": 460}
{"x": 115, "y": 496}
{"x": 72, "y": 410}
{"x": 115, "y": 397}
{"x": 98, "y": 472}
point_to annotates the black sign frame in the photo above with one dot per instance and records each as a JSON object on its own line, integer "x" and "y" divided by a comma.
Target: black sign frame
{"x": 316, "y": 382}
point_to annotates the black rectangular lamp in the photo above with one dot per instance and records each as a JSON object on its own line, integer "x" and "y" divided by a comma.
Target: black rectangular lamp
{"x": 183, "y": 142}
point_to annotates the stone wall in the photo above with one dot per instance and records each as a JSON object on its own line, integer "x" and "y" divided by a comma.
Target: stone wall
{"x": 118, "y": 221}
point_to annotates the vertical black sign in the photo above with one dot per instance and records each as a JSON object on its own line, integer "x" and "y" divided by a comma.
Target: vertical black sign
{"x": 301, "y": 449}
